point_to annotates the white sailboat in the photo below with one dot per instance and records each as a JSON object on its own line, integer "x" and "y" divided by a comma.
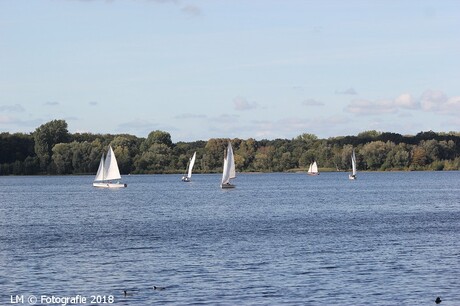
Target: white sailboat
{"x": 313, "y": 169}
{"x": 353, "y": 166}
{"x": 229, "y": 168}
{"x": 108, "y": 171}
{"x": 188, "y": 176}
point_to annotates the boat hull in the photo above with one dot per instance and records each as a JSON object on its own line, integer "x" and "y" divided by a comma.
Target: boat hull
{"x": 351, "y": 177}
{"x": 313, "y": 173}
{"x": 185, "y": 179}
{"x": 227, "y": 186}
{"x": 109, "y": 185}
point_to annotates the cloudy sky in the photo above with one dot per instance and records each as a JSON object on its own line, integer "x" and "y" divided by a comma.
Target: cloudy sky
{"x": 213, "y": 68}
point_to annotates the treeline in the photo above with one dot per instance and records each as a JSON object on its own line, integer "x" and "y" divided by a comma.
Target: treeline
{"x": 51, "y": 149}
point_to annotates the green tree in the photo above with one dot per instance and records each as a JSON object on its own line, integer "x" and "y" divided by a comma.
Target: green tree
{"x": 62, "y": 158}
{"x": 125, "y": 148}
{"x": 155, "y": 160}
{"x": 263, "y": 158}
{"x": 432, "y": 150}
{"x": 214, "y": 154}
{"x": 159, "y": 137}
{"x": 419, "y": 157}
{"x": 372, "y": 134}
{"x": 375, "y": 153}
{"x": 308, "y": 139}
{"x": 81, "y": 157}
{"x": 247, "y": 153}
{"x": 345, "y": 162}
{"x": 398, "y": 158}
{"x": 31, "y": 165}
{"x": 46, "y": 136}
{"x": 15, "y": 147}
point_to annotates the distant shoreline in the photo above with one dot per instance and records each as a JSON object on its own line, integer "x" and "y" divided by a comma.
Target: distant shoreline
{"x": 65, "y": 153}
{"x": 291, "y": 171}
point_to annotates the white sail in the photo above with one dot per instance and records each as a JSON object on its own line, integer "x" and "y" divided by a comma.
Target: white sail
{"x": 111, "y": 166}
{"x": 190, "y": 166}
{"x": 100, "y": 171}
{"x": 225, "y": 172}
{"x": 353, "y": 166}
{"x": 353, "y": 162}
{"x": 108, "y": 170}
{"x": 229, "y": 166}
{"x": 231, "y": 161}
{"x": 314, "y": 168}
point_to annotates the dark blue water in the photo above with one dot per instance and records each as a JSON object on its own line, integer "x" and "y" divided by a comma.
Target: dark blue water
{"x": 384, "y": 239}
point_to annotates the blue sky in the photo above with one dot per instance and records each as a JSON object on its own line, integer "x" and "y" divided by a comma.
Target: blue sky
{"x": 214, "y": 68}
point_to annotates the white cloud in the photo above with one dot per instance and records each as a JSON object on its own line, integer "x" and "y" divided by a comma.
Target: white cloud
{"x": 406, "y": 101}
{"x": 453, "y": 104}
{"x": 433, "y": 100}
{"x": 6, "y": 119}
{"x": 241, "y": 104}
{"x": 430, "y": 101}
{"x": 437, "y": 101}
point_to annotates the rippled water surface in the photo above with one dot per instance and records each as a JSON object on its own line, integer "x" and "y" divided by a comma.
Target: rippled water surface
{"x": 384, "y": 239}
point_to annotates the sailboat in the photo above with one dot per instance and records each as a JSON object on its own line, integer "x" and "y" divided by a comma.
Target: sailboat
{"x": 188, "y": 176}
{"x": 353, "y": 166}
{"x": 313, "y": 169}
{"x": 108, "y": 171}
{"x": 229, "y": 168}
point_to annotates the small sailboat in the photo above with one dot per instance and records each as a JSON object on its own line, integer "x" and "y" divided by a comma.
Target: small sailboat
{"x": 353, "y": 166}
{"x": 108, "y": 171}
{"x": 188, "y": 176}
{"x": 229, "y": 168}
{"x": 313, "y": 169}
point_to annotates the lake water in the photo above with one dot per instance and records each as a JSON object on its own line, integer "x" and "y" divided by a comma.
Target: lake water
{"x": 389, "y": 238}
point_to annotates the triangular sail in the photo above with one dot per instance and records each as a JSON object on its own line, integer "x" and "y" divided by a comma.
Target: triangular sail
{"x": 111, "y": 166}
{"x": 100, "y": 171}
{"x": 229, "y": 166}
{"x": 353, "y": 162}
{"x": 190, "y": 166}
{"x": 231, "y": 161}
{"x": 225, "y": 172}
{"x": 314, "y": 168}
